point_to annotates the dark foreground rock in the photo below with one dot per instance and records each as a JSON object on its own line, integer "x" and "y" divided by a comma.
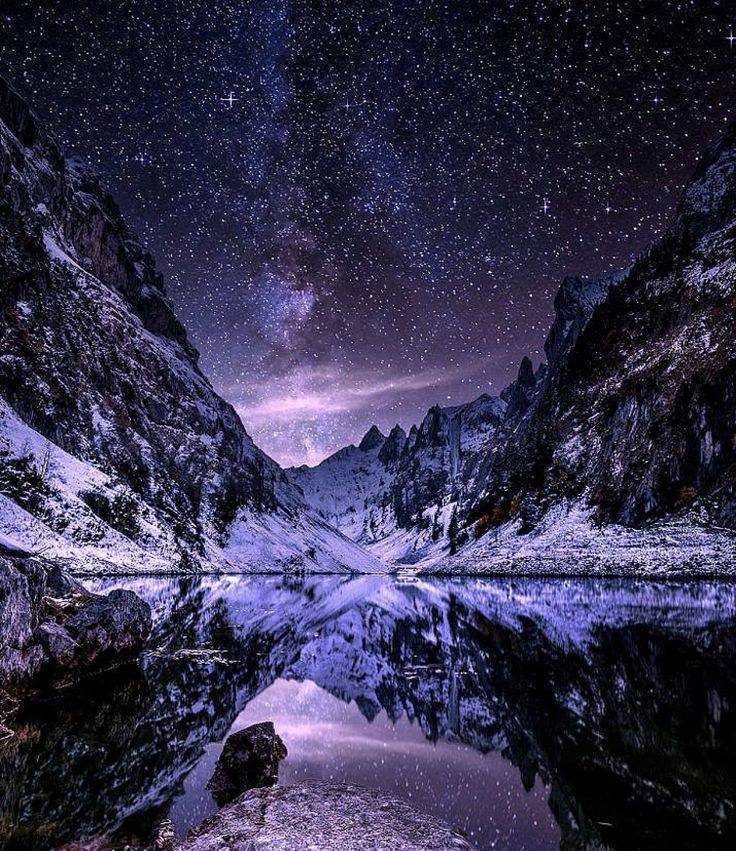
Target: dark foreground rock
{"x": 52, "y": 629}
{"x": 324, "y": 816}
{"x": 249, "y": 759}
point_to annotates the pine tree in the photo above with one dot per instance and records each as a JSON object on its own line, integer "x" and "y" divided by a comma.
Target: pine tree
{"x": 436, "y": 525}
{"x": 452, "y": 531}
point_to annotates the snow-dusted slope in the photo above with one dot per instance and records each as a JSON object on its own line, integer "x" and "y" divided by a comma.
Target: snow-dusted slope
{"x": 396, "y": 494}
{"x": 114, "y": 448}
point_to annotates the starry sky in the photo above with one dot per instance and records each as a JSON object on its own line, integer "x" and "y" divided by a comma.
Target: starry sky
{"x": 364, "y": 208}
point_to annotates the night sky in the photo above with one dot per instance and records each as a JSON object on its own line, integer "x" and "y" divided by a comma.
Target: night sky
{"x": 379, "y": 218}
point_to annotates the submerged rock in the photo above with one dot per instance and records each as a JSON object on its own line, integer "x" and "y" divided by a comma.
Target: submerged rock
{"x": 249, "y": 759}
{"x": 324, "y": 816}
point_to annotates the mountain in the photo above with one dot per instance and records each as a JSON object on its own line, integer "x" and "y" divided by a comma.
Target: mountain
{"x": 619, "y": 451}
{"x": 115, "y": 451}
{"x": 395, "y": 494}
{"x": 637, "y": 415}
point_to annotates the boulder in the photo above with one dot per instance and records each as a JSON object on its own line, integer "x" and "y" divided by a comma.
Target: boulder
{"x": 52, "y": 629}
{"x": 250, "y": 758}
{"x": 110, "y": 629}
{"x": 316, "y": 816}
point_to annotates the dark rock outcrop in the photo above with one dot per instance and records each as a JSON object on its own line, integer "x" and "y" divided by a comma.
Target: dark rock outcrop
{"x": 322, "y": 815}
{"x": 53, "y": 630}
{"x": 372, "y": 439}
{"x": 249, "y": 759}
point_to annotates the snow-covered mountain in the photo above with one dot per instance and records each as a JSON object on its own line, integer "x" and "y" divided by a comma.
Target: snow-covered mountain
{"x": 631, "y": 422}
{"x": 396, "y": 494}
{"x": 115, "y": 451}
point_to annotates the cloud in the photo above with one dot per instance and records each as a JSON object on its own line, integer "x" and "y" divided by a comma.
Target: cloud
{"x": 314, "y": 394}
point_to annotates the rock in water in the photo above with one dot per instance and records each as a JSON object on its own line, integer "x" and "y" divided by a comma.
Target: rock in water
{"x": 249, "y": 759}
{"x": 318, "y": 816}
{"x": 111, "y": 628}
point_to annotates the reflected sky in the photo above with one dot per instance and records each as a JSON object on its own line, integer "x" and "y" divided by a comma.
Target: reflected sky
{"x": 329, "y": 739}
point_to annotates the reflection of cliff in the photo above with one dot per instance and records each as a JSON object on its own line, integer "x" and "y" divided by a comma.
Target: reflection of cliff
{"x": 619, "y": 695}
{"x": 112, "y": 746}
{"x": 82, "y": 763}
{"x": 624, "y": 710}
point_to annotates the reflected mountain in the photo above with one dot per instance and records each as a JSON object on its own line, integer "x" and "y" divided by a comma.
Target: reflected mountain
{"x": 618, "y": 695}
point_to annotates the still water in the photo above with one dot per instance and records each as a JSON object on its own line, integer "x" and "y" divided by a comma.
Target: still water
{"x": 531, "y": 714}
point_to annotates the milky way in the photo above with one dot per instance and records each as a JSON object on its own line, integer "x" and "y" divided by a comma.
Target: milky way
{"x": 365, "y": 208}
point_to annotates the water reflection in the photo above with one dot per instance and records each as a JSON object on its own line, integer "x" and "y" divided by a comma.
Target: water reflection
{"x": 533, "y": 713}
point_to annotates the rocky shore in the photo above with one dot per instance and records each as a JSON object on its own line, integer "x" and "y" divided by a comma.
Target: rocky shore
{"x": 303, "y": 816}
{"x": 53, "y": 631}
{"x": 327, "y": 816}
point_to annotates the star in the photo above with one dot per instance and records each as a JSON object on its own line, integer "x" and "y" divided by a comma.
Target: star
{"x": 343, "y": 232}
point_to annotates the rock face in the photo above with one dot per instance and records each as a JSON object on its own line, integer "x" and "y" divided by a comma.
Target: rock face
{"x": 637, "y": 413}
{"x": 329, "y": 817}
{"x": 249, "y": 759}
{"x": 112, "y": 441}
{"x": 52, "y": 629}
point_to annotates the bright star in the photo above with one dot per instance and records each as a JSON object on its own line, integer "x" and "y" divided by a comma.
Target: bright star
{"x": 229, "y": 100}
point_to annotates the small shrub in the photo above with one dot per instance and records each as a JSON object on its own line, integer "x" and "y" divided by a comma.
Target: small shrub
{"x": 482, "y": 525}
{"x": 25, "y": 479}
{"x": 686, "y": 497}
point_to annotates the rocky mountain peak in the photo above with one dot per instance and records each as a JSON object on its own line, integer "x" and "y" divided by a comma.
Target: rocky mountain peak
{"x": 394, "y": 445}
{"x": 519, "y": 394}
{"x": 16, "y": 115}
{"x": 574, "y": 304}
{"x": 372, "y": 439}
{"x": 708, "y": 202}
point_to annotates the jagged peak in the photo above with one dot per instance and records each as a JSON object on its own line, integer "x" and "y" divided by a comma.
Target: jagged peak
{"x": 526, "y": 371}
{"x": 392, "y": 448}
{"x": 574, "y": 303}
{"x": 372, "y": 438}
{"x": 708, "y": 201}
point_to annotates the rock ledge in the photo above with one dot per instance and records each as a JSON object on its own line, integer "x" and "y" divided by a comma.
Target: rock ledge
{"x": 317, "y": 816}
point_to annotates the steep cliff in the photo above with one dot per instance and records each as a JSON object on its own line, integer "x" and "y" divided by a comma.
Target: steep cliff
{"x": 113, "y": 445}
{"x": 637, "y": 417}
